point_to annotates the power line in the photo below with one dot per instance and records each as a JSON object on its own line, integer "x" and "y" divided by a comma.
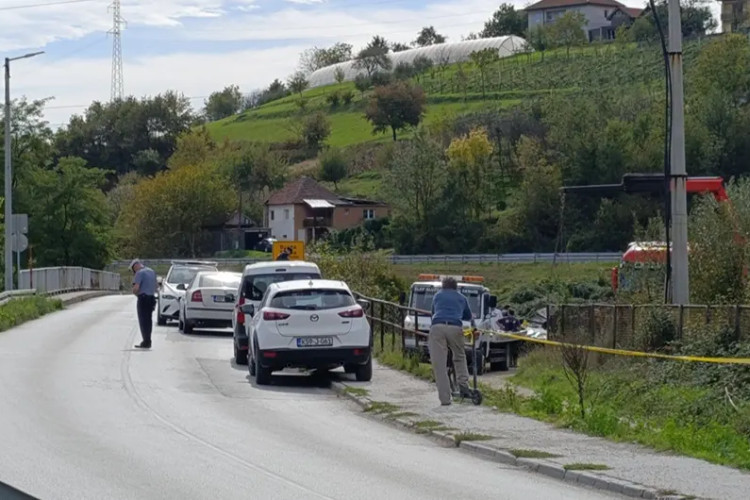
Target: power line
{"x": 47, "y": 4}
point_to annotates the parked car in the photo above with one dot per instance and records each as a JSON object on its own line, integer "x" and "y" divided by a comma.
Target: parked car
{"x": 313, "y": 324}
{"x": 265, "y": 245}
{"x": 209, "y": 301}
{"x": 171, "y": 289}
{"x": 255, "y": 280}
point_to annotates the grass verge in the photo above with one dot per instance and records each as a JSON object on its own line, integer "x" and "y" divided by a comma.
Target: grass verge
{"x": 425, "y": 426}
{"x": 521, "y": 453}
{"x": 357, "y": 391}
{"x": 381, "y": 408}
{"x": 25, "y": 309}
{"x": 471, "y": 436}
{"x": 579, "y": 466}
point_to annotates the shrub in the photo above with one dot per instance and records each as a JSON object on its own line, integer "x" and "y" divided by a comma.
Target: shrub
{"x": 19, "y": 311}
{"x": 333, "y": 99}
{"x": 347, "y": 96}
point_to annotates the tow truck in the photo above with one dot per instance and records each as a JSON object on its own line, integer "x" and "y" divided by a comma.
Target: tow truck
{"x": 500, "y": 352}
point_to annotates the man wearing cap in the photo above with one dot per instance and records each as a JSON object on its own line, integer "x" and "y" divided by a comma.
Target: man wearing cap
{"x": 144, "y": 287}
{"x": 449, "y": 310}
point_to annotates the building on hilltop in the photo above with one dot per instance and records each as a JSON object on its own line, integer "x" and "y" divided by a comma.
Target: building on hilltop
{"x": 303, "y": 210}
{"x": 449, "y": 53}
{"x": 603, "y": 17}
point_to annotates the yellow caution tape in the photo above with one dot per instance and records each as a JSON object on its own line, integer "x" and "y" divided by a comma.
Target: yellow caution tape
{"x": 622, "y": 352}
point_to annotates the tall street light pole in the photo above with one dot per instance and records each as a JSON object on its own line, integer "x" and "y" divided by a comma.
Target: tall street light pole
{"x": 680, "y": 276}
{"x": 9, "y": 176}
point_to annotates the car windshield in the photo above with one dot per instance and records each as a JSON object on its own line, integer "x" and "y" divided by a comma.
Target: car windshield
{"x": 422, "y": 295}
{"x": 220, "y": 281}
{"x": 312, "y": 299}
{"x": 254, "y": 286}
{"x": 185, "y": 275}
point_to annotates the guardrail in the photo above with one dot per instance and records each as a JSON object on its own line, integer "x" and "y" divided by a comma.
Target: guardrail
{"x": 6, "y": 297}
{"x": 49, "y": 280}
{"x": 517, "y": 258}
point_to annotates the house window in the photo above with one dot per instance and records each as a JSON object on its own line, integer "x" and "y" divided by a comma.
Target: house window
{"x": 272, "y": 214}
{"x": 286, "y": 213}
{"x": 606, "y": 12}
{"x": 552, "y": 15}
{"x": 368, "y": 214}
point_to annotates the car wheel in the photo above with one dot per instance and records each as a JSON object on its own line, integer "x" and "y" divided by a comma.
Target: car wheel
{"x": 180, "y": 324}
{"x": 349, "y": 368}
{"x": 187, "y": 326}
{"x": 161, "y": 320}
{"x": 262, "y": 375}
{"x": 240, "y": 357}
{"x": 364, "y": 372}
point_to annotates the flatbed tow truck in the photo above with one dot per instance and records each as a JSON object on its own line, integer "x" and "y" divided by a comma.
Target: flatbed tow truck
{"x": 497, "y": 351}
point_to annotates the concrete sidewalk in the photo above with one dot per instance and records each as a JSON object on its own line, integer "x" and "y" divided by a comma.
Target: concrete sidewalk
{"x": 634, "y": 470}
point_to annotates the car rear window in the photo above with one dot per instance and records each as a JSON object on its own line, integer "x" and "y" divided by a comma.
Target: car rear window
{"x": 220, "y": 281}
{"x": 312, "y": 299}
{"x": 185, "y": 275}
{"x": 254, "y": 287}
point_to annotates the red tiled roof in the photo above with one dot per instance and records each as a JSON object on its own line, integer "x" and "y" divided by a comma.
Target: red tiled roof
{"x": 552, "y": 4}
{"x": 303, "y": 188}
{"x": 634, "y": 11}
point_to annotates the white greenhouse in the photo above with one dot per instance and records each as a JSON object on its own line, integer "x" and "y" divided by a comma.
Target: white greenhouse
{"x": 448, "y": 53}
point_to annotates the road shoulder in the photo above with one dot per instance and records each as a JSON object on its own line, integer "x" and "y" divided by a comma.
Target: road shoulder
{"x": 631, "y": 470}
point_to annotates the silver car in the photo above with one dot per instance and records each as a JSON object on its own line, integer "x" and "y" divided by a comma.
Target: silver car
{"x": 209, "y": 301}
{"x": 173, "y": 287}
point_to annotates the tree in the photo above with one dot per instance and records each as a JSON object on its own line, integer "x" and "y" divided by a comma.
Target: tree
{"x": 297, "y": 83}
{"x": 395, "y": 106}
{"x": 696, "y": 19}
{"x": 428, "y": 36}
{"x": 399, "y": 47}
{"x": 225, "y": 103}
{"x": 469, "y": 159}
{"x": 482, "y": 59}
{"x": 403, "y": 71}
{"x": 193, "y": 148}
{"x": 506, "y": 21}
{"x": 379, "y": 43}
{"x": 333, "y": 166}
{"x": 538, "y": 38}
{"x": 315, "y": 130}
{"x": 373, "y": 59}
{"x": 168, "y": 213}
{"x": 362, "y": 83}
{"x": 339, "y": 75}
{"x": 111, "y": 135}
{"x": 567, "y": 31}
{"x": 69, "y": 219}
{"x": 31, "y": 137}
{"x": 315, "y": 58}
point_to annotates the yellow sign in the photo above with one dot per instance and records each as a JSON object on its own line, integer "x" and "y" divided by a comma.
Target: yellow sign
{"x": 295, "y": 249}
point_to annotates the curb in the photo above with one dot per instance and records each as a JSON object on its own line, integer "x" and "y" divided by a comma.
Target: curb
{"x": 84, "y": 297}
{"x": 556, "y": 471}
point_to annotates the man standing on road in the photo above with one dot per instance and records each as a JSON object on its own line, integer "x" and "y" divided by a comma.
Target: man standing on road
{"x": 144, "y": 287}
{"x": 449, "y": 310}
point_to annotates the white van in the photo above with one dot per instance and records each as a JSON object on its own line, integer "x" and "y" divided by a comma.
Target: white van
{"x": 255, "y": 280}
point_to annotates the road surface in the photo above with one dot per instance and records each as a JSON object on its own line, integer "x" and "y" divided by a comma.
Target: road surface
{"x": 84, "y": 415}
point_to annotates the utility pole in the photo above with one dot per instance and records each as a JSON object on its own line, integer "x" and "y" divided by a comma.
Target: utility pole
{"x": 680, "y": 279}
{"x": 9, "y": 176}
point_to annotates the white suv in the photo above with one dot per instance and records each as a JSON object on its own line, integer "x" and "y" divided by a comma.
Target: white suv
{"x": 172, "y": 288}
{"x": 312, "y": 324}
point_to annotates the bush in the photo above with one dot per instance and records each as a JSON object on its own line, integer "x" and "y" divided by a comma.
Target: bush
{"x": 315, "y": 130}
{"x": 347, "y": 96}
{"x": 19, "y": 311}
{"x": 333, "y": 99}
{"x": 658, "y": 330}
{"x": 381, "y": 78}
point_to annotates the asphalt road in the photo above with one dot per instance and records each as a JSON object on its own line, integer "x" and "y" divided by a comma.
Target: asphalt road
{"x": 84, "y": 415}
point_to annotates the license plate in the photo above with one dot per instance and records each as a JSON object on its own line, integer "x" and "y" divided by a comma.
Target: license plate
{"x": 221, "y": 298}
{"x": 315, "y": 342}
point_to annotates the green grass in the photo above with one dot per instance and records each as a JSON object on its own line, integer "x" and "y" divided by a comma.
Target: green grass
{"x": 580, "y": 466}
{"x": 521, "y": 453}
{"x": 502, "y": 278}
{"x": 364, "y": 185}
{"x": 357, "y": 391}
{"x": 426, "y": 426}
{"x": 471, "y": 436}
{"x": 381, "y": 408}
{"x": 21, "y": 310}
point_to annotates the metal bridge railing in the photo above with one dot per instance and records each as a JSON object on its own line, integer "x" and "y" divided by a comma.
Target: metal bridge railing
{"x": 63, "y": 279}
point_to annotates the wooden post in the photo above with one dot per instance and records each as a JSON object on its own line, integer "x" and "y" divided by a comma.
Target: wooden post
{"x": 382, "y": 325}
{"x": 737, "y": 320}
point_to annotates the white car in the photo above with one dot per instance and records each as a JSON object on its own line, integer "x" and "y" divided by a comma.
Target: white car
{"x": 209, "y": 300}
{"x": 255, "y": 280}
{"x": 312, "y": 324}
{"x": 172, "y": 289}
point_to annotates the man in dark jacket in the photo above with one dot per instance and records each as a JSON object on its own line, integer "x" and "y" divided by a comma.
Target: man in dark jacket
{"x": 144, "y": 287}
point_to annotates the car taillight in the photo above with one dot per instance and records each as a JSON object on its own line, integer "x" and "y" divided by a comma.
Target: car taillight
{"x": 274, "y": 316}
{"x": 197, "y": 296}
{"x": 240, "y": 314}
{"x": 352, "y": 313}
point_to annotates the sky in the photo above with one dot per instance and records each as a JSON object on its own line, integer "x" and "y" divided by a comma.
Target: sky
{"x": 199, "y": 46}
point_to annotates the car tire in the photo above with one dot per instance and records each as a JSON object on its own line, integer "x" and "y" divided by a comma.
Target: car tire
{"x": 262, "y": 375}
{"x": 187, "y": 326}
{"x": 364, "y": 372}
{"x": 240, "y": 357}
{"x": 349, "y": 368}
{"x": 180, "y": 324}
{"x": 161, "y": 320}
{"x": 251, "y": 366}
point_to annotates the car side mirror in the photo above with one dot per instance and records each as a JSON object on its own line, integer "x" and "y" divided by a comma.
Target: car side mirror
{"x": 365, "y": 304}
{"x": 493, "y": 301}
{"x": 248, "y": 309}
{"x": 402, "y": 298}
{"x": 182, "y": 286}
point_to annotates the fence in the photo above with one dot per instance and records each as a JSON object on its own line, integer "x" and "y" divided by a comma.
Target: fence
{"x": 519, "y": 258}
{"x": 387, "y": 319}
{"x": 621, "y": 326}
{"x": 60, "y": 279}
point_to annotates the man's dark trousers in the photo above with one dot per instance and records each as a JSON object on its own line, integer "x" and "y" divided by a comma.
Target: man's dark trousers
{"x": 145, "y": 307}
